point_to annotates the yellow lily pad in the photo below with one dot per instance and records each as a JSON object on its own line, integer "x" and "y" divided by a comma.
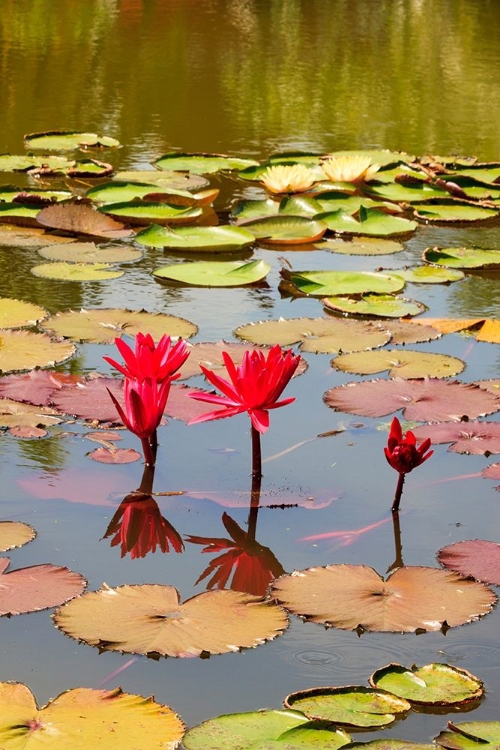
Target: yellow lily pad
{"x": 24, "y": 350}
{"x": 16, "y": 314}
{"x": 76, "y": 271}
{"x": 402, "y": 363}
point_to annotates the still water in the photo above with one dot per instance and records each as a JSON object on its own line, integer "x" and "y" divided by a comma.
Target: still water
{"x": 250, "y": 77}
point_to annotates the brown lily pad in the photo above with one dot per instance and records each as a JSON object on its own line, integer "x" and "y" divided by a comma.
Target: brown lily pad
{"x": 79, "y": 218}
{"x": 150, "y": 619}
{"x": 36, "y": 387}
{"x": 114, "y": 456}
{"x": 37, "y": 587}
{"x": 18, "y": 414}
{"x": 26, "y": 431}
{"x": 354, "y": 597}
{"x": 478, "y": 438}
{"x": 477, "y": 558}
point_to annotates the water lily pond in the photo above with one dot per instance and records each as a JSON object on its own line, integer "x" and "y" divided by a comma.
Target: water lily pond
{"x": 242, "y": 175}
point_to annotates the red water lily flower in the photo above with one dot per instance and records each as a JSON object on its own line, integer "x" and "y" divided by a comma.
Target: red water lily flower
{"x": 255, "y": 386}
{"x": 139, "y": 527}
{"x": 402, "y": 452}
{"x": 155, "y": 361}
{"x": 144, "y": 404}
{"x": 252, "y": 565}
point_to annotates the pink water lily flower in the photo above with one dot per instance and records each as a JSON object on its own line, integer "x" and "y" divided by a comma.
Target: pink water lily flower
{"x": 144, "y": 404}
{"x": 255, "y": 386}
{"x": 402, "y": 452}
{"x": 149, "y": 360}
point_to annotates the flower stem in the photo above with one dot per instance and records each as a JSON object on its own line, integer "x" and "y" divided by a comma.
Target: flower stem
{"x": 256, "y": 483}
{"x": 256, "y": 454}
{"x": 149, "y": 453}
{"x": 399, "y": 492}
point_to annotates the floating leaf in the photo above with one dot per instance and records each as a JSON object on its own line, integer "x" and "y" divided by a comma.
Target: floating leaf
{"x": 24, "y": 350}
{"x": 90, "y": 168}
{"x": 462, "y": 257}
{"x": 67, "y": 140}
{"x": 380, "y": 305}
{"x": 215, "y": 273}
{"x": 115, "y": 456}
{"x": 362, "y": 246}
{"x": 11, "y": 194}
{"x": 286, "y": 230}
{"x": 17, "y": 414}
{"x": 144, "y": 212}
{"x": 33, "y": 164}
{"x": 470, "y": 735}
{"x": 477, "y": 558}
{"x": 27, "y": 432}
{"x": 168, "y": 180}
{"x": 327, "y": 283}
{"x": 102, "y": 326}
{"x": 246, "y": 210}
{"x": 429, "y": 400}
{"x": 453, "y": 210}
{"x": 88, "y": 252}
{"x": 428, "y": 275}
{"x": 355, "y": 596}
{"x": 389, "y": 744}
{"x": 353, "y": 705}
{"x": 371, "y": 222}
{"x": 23, "y": 214}
{"x": 86, "y": 718}
{"x": 202, "y": 163}
{"x": 15, "y": 314}
{"x": 403, "y": 332}
{"x": 335, "y": 200}
{"x": 432, "y": 684}
{"x": 90, "y": 399}
{"x": 76, "y": 271}
{"x": 37, "y": 587}
{"x": 383, "y": 157}
{"x": 418, "y": 192}
{"x": 403, "y": 363}
{"x": 149, "y": 619}
{"x": 11, "y": 236}
{"x": 81, "y": 219}
{"x": 467, "y": 437}
{"x": 197, "y": 239}
{"x": 326, "y": 335}
{"x": 15, "y": 534}
{"x": 36, "y": 386}
{"x": 268, "y": 728}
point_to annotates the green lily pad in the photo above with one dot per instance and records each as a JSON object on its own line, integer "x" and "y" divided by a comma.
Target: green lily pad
{"x": 371, "y": 222}
{"x": 307, "y": 158}
{"x": 453, "y": 210}
{"x": 144, "y": 212}
{"x": 84, "y": 718}
{"x": 389, "y": 744}
{"x": 24, "y": 350}
{"x": 13, "y": 163}
{"x": 284, "y": 230}
{"x": 23, "y": 214}
{"x": 76, "y": 271}
{"x": 432, "y": 684}
{"x": 353, "y": 705}
{"x": 299, "y": 205}
{"x": 17, "y": 314}
{"x": 11, "y": 194}
{"x": 163, "y": 178}
{"x": 428, "y": 275}
{"x": 483, "y": 173}
{"x": 113, "y": 192}
{"x": 380, "y": 305}
{"x": 361, "y": 246}
{"x": 67, "y": 140}
{"x": 268, "y": 729}
{"x": 331, "y": 283}
{"x": 336, "y": 200}
{"x": 202, "y": 163}
{"x": 383, "y": 157}
{"x": 210, "y": 239}
{"x": 102, "y": 326}
{"x": 215, "y": 273}
{"x": 251, "y": 209}
{"x": 402, "y": 363}
{"x": 462, "y": 257}
{"x": 90, "y": 168}
{"x": 88, "y": 252}
{"x": 413, "y": 193}
{"x": 471, "y": 735}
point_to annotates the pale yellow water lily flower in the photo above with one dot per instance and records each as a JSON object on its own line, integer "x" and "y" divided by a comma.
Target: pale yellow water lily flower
{"x": 288, "y": 178}
{"x": 349, "y": 168}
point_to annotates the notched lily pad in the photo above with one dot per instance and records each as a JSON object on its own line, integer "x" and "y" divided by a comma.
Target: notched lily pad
{"x": 353, "y": 705}
{"x": 375, "y": 305}
{"x": 67, "y": 140}
{"x": 17, "y": 314}
{"x": 24, "y": 350}
{"x": 433, "y": 684}
{"x": 462, "y": 257}
{"x": 478, "y": 558}
{"x": 197, "y": 239}
{"x": 214, "y": 273}
{"x": 149, "y": 619}
{"x": 37, "y": 587}
{"x": 85, "y": 718}
{"x": 15, "y": 534}
{"x": 328, "y": 283}
{"x": 403, "y": 363}
{"x": 102, "y": 326}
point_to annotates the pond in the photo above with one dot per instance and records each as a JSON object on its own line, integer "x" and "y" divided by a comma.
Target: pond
{"x": 249, "y": 78}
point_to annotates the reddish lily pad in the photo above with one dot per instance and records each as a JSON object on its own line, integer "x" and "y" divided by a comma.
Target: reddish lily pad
{"x": 150, "y": 619}
{"x": 429, "y": 400}
{"x": 15, "y": 534}
{"x": 403, "y": 363}
{"x": 478, "y": 438}
{"x": 37, "y": 587}
{"x": 475, "y": 557}
{"x": 27, "y": 431}
{"x": 114, "y": 456}
{"x": 35, "y": 387}
{"x": 90, "y": 399}
{"x": 354, "y": 597}
{"x": 81, "y": 219}
{"x": 24, "y": 350}
{"x": 84, "y": 718}
{"x": 353, "y": 705}
{"x": 432, "y": 684}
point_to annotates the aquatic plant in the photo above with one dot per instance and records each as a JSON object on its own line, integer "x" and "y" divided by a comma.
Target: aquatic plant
{"x": 404, "y": 456}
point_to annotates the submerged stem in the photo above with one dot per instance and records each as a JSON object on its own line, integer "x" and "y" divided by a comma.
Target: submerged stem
{"x": 399, "y": 492}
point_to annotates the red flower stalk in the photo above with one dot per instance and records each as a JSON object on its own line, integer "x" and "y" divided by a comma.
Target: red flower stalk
{"x": 155, "y": 361}
{"x": 138, "y": 527}
{"x": 253, "y": 566}
{"x": 255, "y": 386}
{"x": 403, "y": 455}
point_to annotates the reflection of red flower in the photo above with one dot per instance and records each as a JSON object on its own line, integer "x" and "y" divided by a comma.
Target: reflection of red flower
{"x": 154, "y": 361}
{"x": 254, "y": 566}
{"x": 402, "y": 452}
{"x": 138, "y": 527}
{"x": 255, "y": 386}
